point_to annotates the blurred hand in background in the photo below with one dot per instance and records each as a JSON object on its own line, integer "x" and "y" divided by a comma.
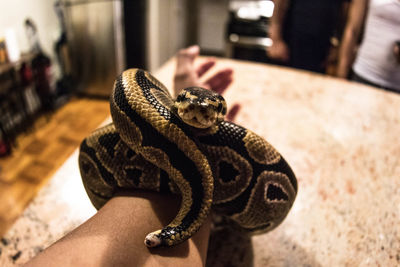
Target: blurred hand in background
{"x": 187, "y": 75}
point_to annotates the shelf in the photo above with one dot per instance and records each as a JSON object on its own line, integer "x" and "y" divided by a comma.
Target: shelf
{"x": 12, "y": 65}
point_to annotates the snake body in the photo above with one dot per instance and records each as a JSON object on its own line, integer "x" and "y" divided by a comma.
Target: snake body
{"x": 225, "y": 168}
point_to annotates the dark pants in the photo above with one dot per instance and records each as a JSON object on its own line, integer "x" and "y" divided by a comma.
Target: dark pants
{"x": 308, "y": 52}
{"x": 357, "y": 78}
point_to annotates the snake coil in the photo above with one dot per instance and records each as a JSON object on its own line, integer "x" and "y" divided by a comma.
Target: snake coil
{"x": 228, "y": 168}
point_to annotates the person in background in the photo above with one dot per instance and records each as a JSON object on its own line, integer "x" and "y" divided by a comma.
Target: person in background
{"x": 377, "y": 61}
{"x": 301, "y": 31}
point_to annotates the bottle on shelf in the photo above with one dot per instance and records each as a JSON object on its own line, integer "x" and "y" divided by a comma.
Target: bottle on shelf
{"x": 32, "y": 101}
{"x": 5, "y": 146}
{"x": 41, "y": 68}
{"x": 64, "y": 83}
{"x": 3, "y": 52}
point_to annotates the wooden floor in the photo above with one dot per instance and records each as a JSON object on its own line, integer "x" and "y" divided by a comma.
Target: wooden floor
{"x": 39, "y": 153}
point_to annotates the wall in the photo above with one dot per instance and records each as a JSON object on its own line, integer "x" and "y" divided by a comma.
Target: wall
{"x": 213, "y": 17}
{"x": 174, "y": 24}
{"x": 13, "y": 14}
{"x": 166, "y": 30}
{"x": 167, "y": 22}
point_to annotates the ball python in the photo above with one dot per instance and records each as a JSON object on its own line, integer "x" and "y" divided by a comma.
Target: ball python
{"x": 185, "y": 147}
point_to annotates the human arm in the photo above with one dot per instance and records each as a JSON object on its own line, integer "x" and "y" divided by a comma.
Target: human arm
{"x": 114, "y": 236}
{"x": 351, "y": 34}
{"x": 279, "y": 49}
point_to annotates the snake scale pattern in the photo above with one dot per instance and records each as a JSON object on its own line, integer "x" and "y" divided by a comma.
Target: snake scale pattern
{"x": 213, "y": 164}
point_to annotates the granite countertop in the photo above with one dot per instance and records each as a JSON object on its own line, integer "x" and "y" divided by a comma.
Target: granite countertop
{"x": 340, "y": 138}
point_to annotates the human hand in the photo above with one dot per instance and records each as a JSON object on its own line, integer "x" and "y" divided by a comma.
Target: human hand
{"x": 279, "y": 51}
{"x": 187, "y": 75}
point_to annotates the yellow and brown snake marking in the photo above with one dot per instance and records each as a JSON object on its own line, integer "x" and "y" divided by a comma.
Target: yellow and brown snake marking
{"x": 185, "y": 147}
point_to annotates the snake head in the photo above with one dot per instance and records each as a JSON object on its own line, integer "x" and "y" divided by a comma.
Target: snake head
{"x": 199, "y": 107}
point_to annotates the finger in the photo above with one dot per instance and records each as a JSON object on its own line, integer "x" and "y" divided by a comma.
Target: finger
{"x": 185, "y": 74}
{"x": 232, "y": 113}
{"x": 205, "y": 86}
{"x": 204, "y": 67}
{"x": 220, "y": 81}
{"x": 222, "y": 86}
{"x": 185, "y": 58}
{"x": 191, "y": 51}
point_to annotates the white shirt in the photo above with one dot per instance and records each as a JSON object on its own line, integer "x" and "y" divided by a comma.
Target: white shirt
{"x": 375, "y": 60}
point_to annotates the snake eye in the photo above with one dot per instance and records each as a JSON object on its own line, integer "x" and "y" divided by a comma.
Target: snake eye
{"x": 180, "y": 98}
{"x": 224, "y": 111}
{"x": 219, "y": 109}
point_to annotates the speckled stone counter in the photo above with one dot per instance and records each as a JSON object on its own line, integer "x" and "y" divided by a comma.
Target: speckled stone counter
{"x": 342, "y": 141}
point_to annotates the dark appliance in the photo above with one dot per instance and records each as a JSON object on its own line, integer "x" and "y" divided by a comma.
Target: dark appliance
{"x": 247, "y": 30}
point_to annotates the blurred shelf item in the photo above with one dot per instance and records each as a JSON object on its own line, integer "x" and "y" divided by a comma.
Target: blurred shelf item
{"x": 19, "y": 101}
{"x": 7, "y": 66}
{"x": 3, "y": 52}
